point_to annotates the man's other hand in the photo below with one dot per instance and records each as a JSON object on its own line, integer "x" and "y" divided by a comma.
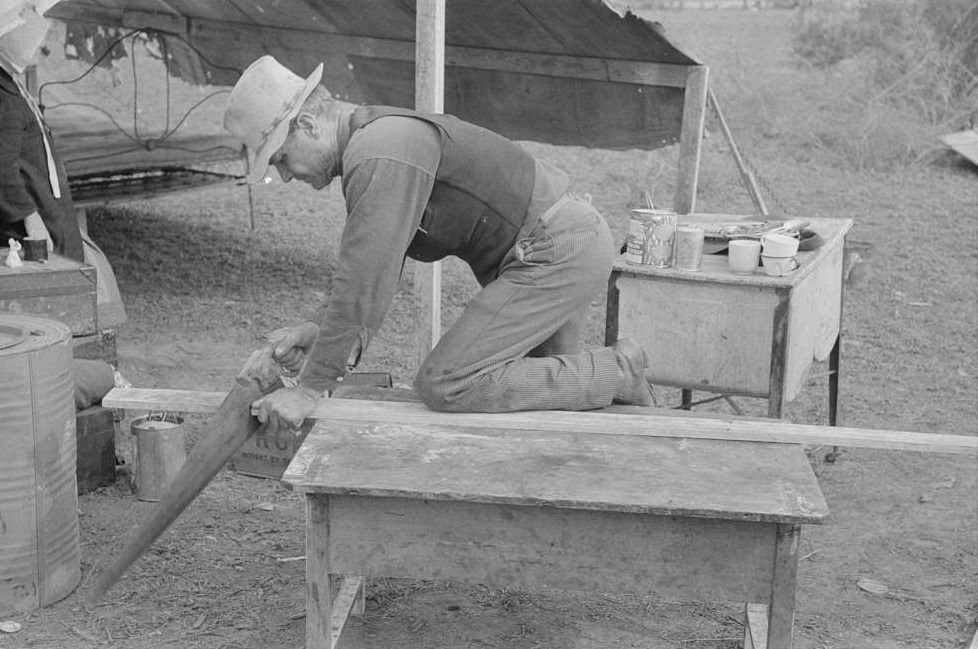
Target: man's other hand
{"x": 292, "y": 344}
{"x": 284, "y": 410}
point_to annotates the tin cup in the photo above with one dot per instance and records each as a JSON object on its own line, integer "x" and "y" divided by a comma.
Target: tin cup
{"x": 660, "y": 236}
{"x": 689, "y": 247}
{"x": 159, "y": 453}
{"x": 35, "y": 249}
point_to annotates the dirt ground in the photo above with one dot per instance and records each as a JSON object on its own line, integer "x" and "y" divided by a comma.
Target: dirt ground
{"x": 896, "y": 564}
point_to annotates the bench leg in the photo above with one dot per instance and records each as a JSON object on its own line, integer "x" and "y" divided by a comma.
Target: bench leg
{"x": 319, "y": 599}
{"x": 329, "y": 598}
{"x": 781, "y": 608}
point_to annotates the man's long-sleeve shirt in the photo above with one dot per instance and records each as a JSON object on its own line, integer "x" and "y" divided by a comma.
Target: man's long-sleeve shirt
{"x": 423, "y": 186}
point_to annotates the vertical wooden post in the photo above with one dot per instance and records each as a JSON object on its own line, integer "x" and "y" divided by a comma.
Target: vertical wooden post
{"x": 690, "y": 138}
{"x": 429, "y": 96}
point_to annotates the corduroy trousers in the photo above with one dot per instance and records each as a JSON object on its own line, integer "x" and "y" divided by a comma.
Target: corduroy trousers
{"x": 516, "y": 346}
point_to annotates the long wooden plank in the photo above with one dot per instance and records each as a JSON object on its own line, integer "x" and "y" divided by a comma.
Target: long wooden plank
{"x": 661, "y": 423}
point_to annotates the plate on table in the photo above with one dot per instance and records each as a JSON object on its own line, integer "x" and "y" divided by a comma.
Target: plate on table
{"x": 717, "y": 234}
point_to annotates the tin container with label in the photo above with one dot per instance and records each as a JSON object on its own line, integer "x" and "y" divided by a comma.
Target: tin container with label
{"x": 689, "y": 247}
{"x": 635, "y": 241}
{"x": 660, "y": 237}
{"x": 654, "y": 237}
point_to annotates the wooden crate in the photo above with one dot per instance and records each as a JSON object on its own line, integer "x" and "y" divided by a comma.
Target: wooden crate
{"x": 95, "y": 434}
{"x": 266, "y": 457}
{"x": 61, "y": 289}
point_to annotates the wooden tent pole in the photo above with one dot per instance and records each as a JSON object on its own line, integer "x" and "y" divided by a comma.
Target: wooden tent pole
{"x": 429, "y": 97}
{"x": 745, "y": 174}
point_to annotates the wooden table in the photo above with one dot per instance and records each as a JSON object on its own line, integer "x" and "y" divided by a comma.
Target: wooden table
{"x": 752, "y": 335}
{"x": 691, "y": 518}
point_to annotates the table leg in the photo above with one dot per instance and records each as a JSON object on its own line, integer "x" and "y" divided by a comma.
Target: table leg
{"x": 779, "y": 346}
{"x": 834, "y": 358}
{"x": 781, "y": 608}
{"x": 319, "y": 599}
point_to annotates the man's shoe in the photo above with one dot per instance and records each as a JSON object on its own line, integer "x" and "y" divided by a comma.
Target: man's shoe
{"x": 635, "y": 389}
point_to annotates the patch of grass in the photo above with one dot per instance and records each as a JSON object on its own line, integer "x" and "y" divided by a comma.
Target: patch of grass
{"x": 895, "y": 76}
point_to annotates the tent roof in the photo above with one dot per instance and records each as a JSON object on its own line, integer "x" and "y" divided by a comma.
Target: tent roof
{"x": 569, "y": 72}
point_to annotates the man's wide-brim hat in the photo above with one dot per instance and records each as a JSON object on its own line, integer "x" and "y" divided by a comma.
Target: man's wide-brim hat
{"x": 260, "y": 107}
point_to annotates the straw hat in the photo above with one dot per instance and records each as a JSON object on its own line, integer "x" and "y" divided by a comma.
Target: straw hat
{"x": 262, "y": 103}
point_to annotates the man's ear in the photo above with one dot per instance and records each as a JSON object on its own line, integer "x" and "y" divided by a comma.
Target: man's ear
{"x": 306, "y": 122}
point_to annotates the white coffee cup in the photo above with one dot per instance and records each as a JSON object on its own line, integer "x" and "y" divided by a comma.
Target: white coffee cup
{"x": 779, "y": 245}
{"x": 743, "y": 255}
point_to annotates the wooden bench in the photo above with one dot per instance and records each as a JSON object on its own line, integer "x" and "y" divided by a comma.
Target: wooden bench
{"x": 701, "y": 519}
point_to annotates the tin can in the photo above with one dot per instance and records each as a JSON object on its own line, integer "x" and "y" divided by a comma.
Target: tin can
{"x": 635, "y": 241}
{"x": 689, "y": 247}
{"x": 651, "y": 237}
{"x": 660, "y": 237}
{"x": 159, "y": 454}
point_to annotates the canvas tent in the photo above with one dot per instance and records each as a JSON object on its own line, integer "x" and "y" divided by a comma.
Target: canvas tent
{"x": 566, "y": 72}
{"x": 577, "y": 72}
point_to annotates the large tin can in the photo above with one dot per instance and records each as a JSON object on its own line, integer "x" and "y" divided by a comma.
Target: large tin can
{"x": 40, "y": 553}
{"x": 652, "y": 235}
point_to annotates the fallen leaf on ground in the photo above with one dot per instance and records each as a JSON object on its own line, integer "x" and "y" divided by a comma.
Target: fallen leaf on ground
{"x": 873, "y": 587}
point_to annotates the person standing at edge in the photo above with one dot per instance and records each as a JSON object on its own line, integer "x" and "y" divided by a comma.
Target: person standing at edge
{"x": 35, "y": 198}
{"x": 35, "y": 201}
{"x": 426, "y": 186}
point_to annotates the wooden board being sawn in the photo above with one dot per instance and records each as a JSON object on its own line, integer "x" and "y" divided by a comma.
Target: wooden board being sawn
{"x": 618, "y": 419}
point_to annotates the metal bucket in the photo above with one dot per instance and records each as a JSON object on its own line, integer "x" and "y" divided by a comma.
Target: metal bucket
{"x": 40, "y": 556}
{"x": 159, "y": 453}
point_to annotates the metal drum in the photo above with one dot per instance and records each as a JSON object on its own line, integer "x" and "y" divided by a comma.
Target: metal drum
{"x": 40, "y": 556}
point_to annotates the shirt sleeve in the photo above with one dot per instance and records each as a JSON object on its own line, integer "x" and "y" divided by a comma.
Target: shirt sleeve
{"x": 386, "y": 194}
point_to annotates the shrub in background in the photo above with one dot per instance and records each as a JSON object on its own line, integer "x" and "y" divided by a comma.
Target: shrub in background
{"x": 896, "y": 75}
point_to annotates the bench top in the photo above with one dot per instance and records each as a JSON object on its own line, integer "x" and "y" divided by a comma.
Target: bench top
{"x": 668, "y": 476}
